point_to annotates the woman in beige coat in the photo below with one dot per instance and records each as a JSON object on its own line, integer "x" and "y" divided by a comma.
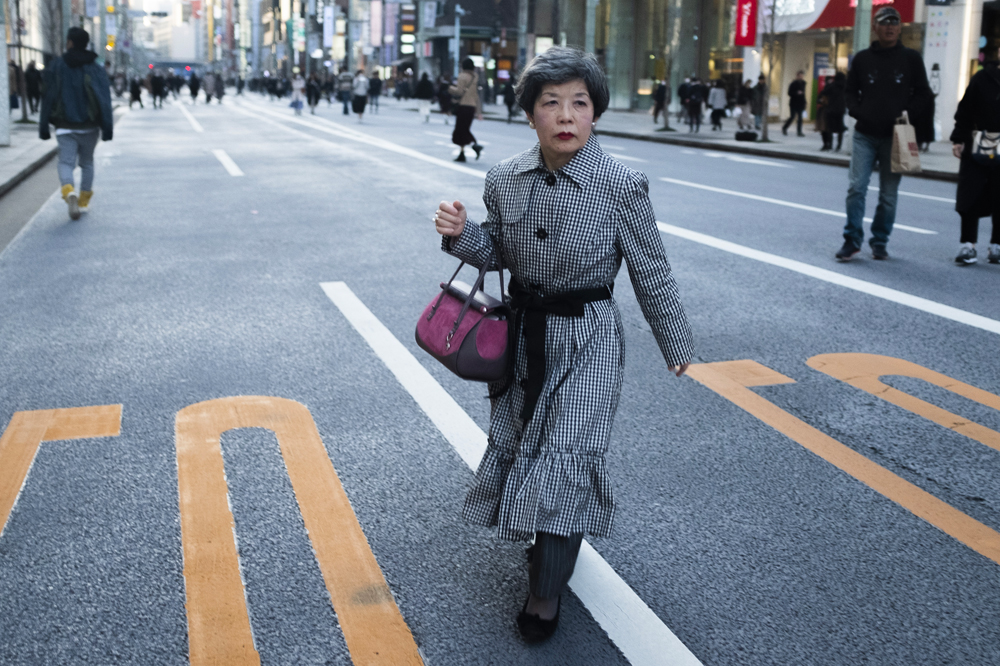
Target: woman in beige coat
{"x": 469, "y": 106}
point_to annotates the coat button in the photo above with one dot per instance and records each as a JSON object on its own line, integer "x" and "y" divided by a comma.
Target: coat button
{"x": 550, "y": 180}
{"x": 542, "y": 234}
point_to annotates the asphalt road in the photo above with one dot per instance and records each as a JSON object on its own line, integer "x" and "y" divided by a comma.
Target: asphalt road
{"x": 186, "y": 284}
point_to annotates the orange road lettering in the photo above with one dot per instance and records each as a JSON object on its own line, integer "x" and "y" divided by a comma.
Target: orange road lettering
{"x": 27, "y": 430}
{"x": 218, "y": 621}
{"x": 864, "y": 371}
{"x": 732, "y": 379}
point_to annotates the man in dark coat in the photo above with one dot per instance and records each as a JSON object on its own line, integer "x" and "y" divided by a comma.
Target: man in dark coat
{"x": 760, "y": 101}
{"x": 796, "y": 103}
{"x": 978, "y": 184}
{"x": 660, "y": 101}
{"x": 885, "y": 80}
{"x": 78, "y": 103}
{"x": 33, "y": 84}
{"x": 696, "y": 94}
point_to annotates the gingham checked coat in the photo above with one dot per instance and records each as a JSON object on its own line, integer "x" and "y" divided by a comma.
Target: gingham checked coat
{"x": 549, "y": 474}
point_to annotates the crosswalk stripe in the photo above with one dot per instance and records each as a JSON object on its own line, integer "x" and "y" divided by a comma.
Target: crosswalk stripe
{"x": 632, "y": 625}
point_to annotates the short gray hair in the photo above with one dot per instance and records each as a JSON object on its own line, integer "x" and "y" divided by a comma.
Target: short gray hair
{"x": 560, "y": 64}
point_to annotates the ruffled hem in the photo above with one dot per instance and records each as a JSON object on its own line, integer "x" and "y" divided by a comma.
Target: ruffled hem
{"x": 558, "y": 492}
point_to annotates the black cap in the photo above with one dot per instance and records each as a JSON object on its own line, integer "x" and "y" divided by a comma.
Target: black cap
{"x": 887, "y": 15}
{"x": 79, "y": 37}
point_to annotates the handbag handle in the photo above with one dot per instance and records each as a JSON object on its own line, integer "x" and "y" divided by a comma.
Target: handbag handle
{"x": 472, "y": 293}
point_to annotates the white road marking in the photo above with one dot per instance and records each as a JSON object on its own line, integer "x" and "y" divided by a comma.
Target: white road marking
{"x": 353, "y": 135}
{"x": 438, "y": 134}
{"x": 789, "y": 204}
{"x": 191, "y": 119}
{"x": 627, "y": 158}
{"x": 228, "y": 162}
{"x": 918, "y": 196}
{"x": 756, "y": 160}
{"x": 613, "y": 146}
{"x": 893, "y": 295}
{"x": 629, "y": 622}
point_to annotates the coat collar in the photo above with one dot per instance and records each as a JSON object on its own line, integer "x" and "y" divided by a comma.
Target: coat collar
{"x": 579, "y": 169}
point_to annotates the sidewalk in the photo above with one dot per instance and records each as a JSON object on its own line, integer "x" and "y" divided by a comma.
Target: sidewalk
{"x": 938, "y": 163}
{"x": 24, "y": 155}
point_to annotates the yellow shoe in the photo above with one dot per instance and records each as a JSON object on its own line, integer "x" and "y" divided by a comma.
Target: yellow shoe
{"x": 66, "y": 189}
{"x": 85, "y": 199}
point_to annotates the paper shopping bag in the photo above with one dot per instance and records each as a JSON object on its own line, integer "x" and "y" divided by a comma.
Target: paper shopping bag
{"x": 905, "y": 152}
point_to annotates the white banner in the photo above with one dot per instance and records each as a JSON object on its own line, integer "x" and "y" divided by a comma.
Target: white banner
{"x": 329, "y": 24}
{"x": 110, "y": 25}
{"x": 375, "y": 9}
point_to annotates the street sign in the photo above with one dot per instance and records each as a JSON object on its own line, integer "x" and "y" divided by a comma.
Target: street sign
{"x": 299, "y": 33}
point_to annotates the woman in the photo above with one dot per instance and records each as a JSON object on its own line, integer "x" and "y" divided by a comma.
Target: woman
{"x": 834, "y": 106}
{"x": 978, "y": 184}
{"x": 359, "y": 94}
{"x": 563, "y": 214}
{"x": 424, "y": 94}
{"x": 466, "y": 91}
{"x": 298, "y": 85}
{"x": 717, "y": 102}
{"x": 313, "y": 92}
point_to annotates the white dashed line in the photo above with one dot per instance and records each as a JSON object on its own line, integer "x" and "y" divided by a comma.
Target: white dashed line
{"x": 227, "y": 162}
{"x": 918, "y": 196}
{"x": 191, "y": 119}
{"x": 900, "y": 297}
{"x": 789, "y": 204}
{"x": 629, "y": 622}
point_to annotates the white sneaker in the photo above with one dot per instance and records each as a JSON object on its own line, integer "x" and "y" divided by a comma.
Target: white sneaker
{"x": 966, "y": 255}
{"x": 73, "y": 200}
{"x": 993, "y": 256}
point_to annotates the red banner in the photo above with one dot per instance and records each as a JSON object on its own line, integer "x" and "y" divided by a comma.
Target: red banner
{"x": 746, "y": 22}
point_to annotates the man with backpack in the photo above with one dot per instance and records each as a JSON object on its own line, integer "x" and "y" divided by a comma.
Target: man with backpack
{"x": 77, "y": 103}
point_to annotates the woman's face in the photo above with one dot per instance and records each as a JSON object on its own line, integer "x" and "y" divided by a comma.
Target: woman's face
{"x": 563, "y": 116}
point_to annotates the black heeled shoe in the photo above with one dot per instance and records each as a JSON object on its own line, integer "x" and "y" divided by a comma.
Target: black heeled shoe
{"x": 533, "y": 628}
{"x": 479, "y": 149}
{"x": 461, "y": 157}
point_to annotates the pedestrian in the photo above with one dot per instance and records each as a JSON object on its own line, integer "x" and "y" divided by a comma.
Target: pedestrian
{"x": 312, "y": 92}
{"x": 682, "y": 94}
{"x": 978, "y": 184}
{"x": 510, "y": 98}
{"x": 298, "y": 86}
{"x": 374, "y": 91}
{"x": 33, "y": 86}
{"x": 209, "y": 85}
{"x": 120, "y": 84}
{"x": 135, "y": 93}
{"x": 240, "y": 83}
{"x": 562, "y": 215}
{"x": 834, "y": 107}
{"x": 359, "y": 94}
{"x": 328, "y": 91}
{"x": 424, "y": 93}
{"x": 469, "y": 106}
{"x": 695, "y": 97}
{"x": 194, "y": 84}
{"x": 744, "y": 100}
{"x": 345, "y": 82}
{"x": 660, "y": 101}
{"x": 220, "y": 87}
{"x": 760, "y": 101}
{"x": 717, "y": 102}
{"x": 885, "y": 80}
{"x": 796, "y": 103}
{"x": 158, "y": 88}
{"x": 444, "y": 98}
{"x": 77, "y": 103}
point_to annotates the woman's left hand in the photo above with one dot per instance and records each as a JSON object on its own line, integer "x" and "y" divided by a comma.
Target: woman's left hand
{"x": 956, "y": 149}
{"x": 679, "y": 369}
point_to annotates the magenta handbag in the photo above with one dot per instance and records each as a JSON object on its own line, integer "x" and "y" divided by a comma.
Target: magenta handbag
{"x": 466, "y": 329}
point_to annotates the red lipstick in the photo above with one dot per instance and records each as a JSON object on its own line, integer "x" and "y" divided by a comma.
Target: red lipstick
{"x": 565, "y": 136}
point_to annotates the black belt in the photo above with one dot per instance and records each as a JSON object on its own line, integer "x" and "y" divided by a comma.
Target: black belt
{"x": 530, "y": 310}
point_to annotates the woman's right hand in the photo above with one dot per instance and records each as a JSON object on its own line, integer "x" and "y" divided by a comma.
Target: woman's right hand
{"x": 449, "y": 220}
{"x": 956, "y": 149}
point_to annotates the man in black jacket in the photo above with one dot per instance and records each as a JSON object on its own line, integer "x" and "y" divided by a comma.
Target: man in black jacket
{"x": 78, "y": 103}
{"x": 884, "y": 81}
{"x": 796, "y": 103}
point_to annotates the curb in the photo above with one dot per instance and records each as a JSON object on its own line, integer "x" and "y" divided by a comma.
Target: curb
{"x": 751, "y": 150}
{"x": 27, "y": 171}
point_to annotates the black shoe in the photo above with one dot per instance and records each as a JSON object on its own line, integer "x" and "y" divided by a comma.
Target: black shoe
{"x": 800, "y": 134}
{"x": 784, "y": 130}
{"x": 479, "y": 149}
{"x": 533, "y": 628}
{"x": 878, "y": 252}
{"x": 847, "y": 252}
{"x": 460, "y": 158}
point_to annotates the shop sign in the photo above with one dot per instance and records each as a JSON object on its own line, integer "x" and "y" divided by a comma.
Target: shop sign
{"x": 746, "y": 22}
